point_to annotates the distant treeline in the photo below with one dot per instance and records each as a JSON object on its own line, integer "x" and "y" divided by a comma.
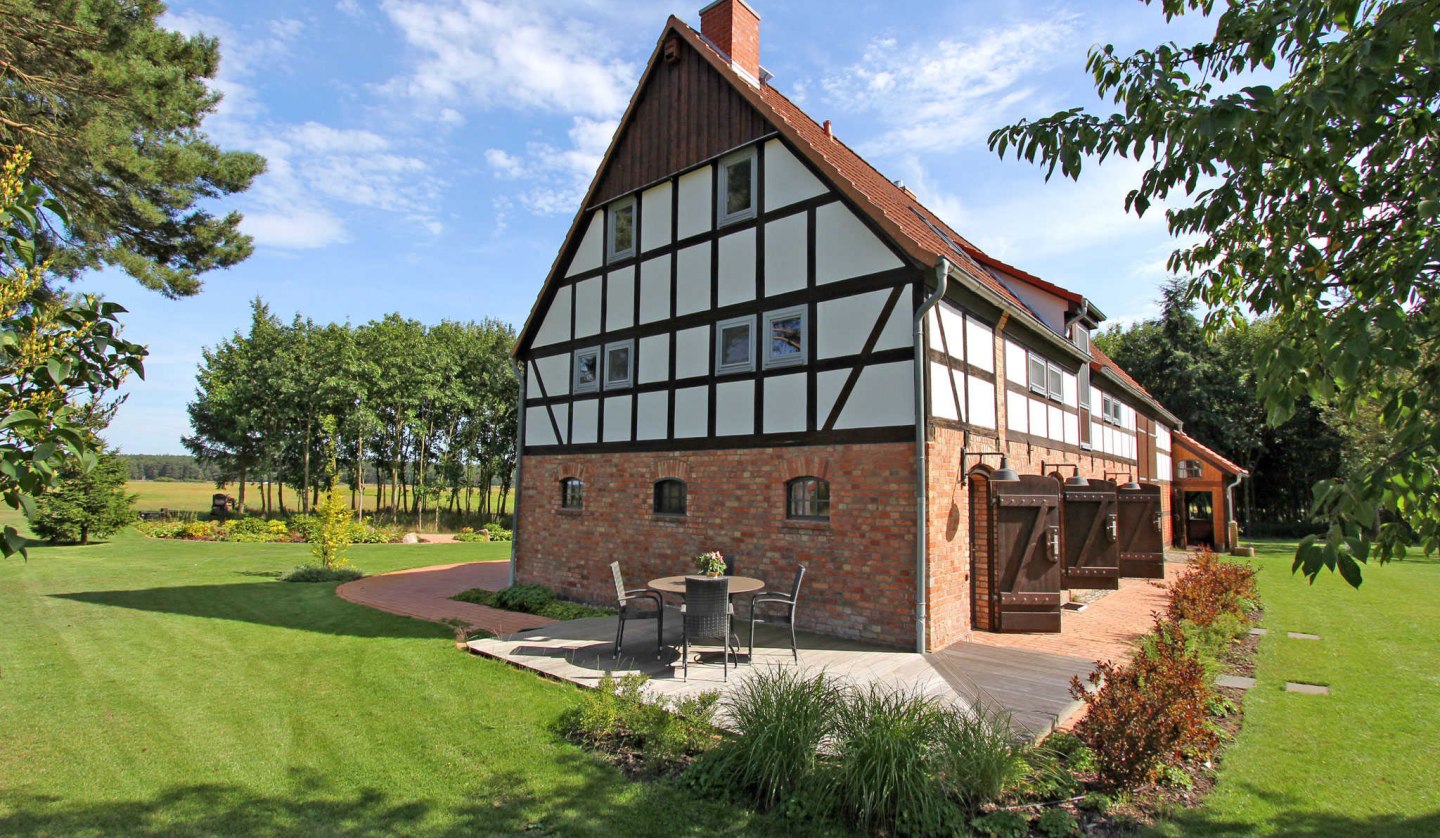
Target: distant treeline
{"x": 185, "y": 467}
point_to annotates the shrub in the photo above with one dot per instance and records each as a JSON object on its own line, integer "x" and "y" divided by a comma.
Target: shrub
{"x": 615, "y": 717}
{"x": 543, "y": 602}
{"x": 1002, "y": 824}
{"x": 1097, "y": 802}
{"x": 497, "y": 532}
{"x": 1057, "y": 823}
{"x": 161, "y": 529}
{"x": 276, "y": 528}
{"x": 781, "y": 718}
{"x": 1213, "y": 588}
{"x": 248, "y": 526}
{"x": 472, "y": 536}
{"x": 316, "y": 573}
{"x": 199, "y": 530}
{"x": 884, "y": 777}
{"x": 84, "y": 503}
{"x": 979, "y": 757}
{"x": 1150, "y": 713}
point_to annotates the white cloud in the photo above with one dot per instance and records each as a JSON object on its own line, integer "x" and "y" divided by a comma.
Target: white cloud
{"x": 500, "y": 53}
{"x": 349, "y": 7}
{"x": 295, "y": 227}
{"x": 557, "y": 177}
{"x": 938, "y": 96}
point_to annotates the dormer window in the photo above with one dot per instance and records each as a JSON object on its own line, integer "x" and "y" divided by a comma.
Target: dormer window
{"x": 621, "y": 233}
{"x": 737, "y": 186}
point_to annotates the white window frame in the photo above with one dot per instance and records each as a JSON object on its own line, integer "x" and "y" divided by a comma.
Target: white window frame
{"x": 616, "y": 254}
{"x": 629, "y": 379}
{"x": 1054, "y": 375}
{"x": 575, "y": 385}
{"x": 721, "y": 368}
{"x": 1183, "y": 472}
{"x": 1032, "y": 359}
{"x": 766, "y": 345}
{"x": 723, "y": 192}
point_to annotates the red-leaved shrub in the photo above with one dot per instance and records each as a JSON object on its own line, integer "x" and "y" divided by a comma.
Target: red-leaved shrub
{"x": 1213, "y": 587}
{"x": 1150, "y": 713}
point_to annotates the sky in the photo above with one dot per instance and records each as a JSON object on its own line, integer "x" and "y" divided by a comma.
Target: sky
{"x": 426, "y": 157}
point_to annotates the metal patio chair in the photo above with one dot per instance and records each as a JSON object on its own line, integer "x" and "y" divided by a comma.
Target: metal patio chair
{"x": 789, "y": 600}
{"x": 707, "y": 614}
{"x": 628, "y": 602}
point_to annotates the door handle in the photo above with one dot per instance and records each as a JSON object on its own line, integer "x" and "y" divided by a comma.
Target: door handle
{"x": 1052, "y": 544}
{"x": 1158, "y": 526}
{"x": 1112, "y": 527}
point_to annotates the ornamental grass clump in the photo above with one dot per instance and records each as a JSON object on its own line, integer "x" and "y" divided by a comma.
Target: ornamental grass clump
{"x": 651, "y": 737}
{"x": 979, "y": 756}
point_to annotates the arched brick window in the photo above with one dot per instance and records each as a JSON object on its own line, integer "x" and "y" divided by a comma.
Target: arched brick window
{"x": 572, "y": 493}
{"x": 670, "y": 497}
{"x": 808, "y": 498}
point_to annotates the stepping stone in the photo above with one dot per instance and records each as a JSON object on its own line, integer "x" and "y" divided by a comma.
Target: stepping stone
{"x": 1235, "y": 682}
{"x": 1300, "y": 635}
{"x": 1307, "y": 689}
{"x": 1259, "y": 632}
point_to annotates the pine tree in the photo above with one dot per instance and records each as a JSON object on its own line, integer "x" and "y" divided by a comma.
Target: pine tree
{"x": 85, "y": 503}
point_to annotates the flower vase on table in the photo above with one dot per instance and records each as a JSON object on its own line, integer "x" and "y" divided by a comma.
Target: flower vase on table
{"x": 711, "y": 564}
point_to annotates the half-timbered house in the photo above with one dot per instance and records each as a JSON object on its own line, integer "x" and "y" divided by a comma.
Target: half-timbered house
{"x": 753, "y": 341}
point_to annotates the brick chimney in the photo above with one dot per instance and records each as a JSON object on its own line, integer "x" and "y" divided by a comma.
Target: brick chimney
{"x": 734, "y": 28}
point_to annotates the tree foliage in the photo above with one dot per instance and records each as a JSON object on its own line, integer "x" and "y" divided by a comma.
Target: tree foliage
{"x": 85, "y": 503}
{"x": 110, "y": 104}
{"x": 60, "y": 355}
{"x": 431, "y": 410}
{"x": 1312, "y": 201}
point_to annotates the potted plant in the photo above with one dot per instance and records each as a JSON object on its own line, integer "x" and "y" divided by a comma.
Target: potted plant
{"x": 711, "y": 564}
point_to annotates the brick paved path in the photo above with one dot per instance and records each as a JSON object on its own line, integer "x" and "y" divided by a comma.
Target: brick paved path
{"x": 1107, "y": 630}
{"x": 424, "y": 593}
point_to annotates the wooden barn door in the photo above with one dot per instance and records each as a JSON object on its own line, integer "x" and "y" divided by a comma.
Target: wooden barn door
{"x": 1025, "y": 570}
{"x": 1089, "y": 536}
{"x": 1142, "y": 547}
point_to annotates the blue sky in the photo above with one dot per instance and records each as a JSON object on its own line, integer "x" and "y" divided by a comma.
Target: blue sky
{"x": 426, "y": 156}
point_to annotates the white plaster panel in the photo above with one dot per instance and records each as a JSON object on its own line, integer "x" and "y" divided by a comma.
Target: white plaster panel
{"x": 1163, "y": 466}
{"x": 555, "y": 371}
{"x": 942, "y": 399}
{"x": 1038, "y": 425}
{"x": 555, "y": 324}
{"x": 655, "y": 289}
{"x": 654, "y": 362}
{"x": 620, "y": 302}
{"x": 692, "y": 352}
{"x": 982, "y": 402}
{"x": 1056, "y": 422}
{"x": 1070, "y": 389}
{"x": 1017, "y": 412}
{"x": 692, "y": 282}
{"x": 844, "y": 324}
{"x": 1072, "y": 429}
{"x": 692, "y": 412}
{"x": 735, "y": 408}
{"x": 538, "y": 430}
{"x": 655, "y": 216}
{"x": 736, "y": 271}
{"x": 979, "y": 344}
{"x": 1095, "y": 436}
{"x": 590, "y": 253}
{"x": 617, "y": 417}
{"x": 1017, "y": 365}
{"x": 785, "y": 255}
{"x": 845, "y": 247}
{"x": 787, "y": 181}
{"x": 883, "y": 396}
{"x": 694, "y": 203}
{"x": 1162, "y": 438}
{"x": 785, "y": 404}
{"x": 827, "y": 388}
{"x": 954, "y": 323}
{"x": 654, "y": 415}
{"x": 897, "y": 332}
{"x": 585, "y": 426}
{"x": 587, "y": 307}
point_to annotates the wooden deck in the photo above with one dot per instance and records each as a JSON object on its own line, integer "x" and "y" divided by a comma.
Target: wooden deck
{"x": 1032, "y": 686}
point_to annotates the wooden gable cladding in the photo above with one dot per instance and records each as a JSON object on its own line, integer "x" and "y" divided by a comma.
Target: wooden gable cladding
{"x": 685, "y": 113}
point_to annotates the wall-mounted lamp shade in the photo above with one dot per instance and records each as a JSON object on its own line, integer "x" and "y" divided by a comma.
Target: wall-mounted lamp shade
{"x": 1131, "y": 486}
{"x": 1076, "y": 481}
{"x": 1005, "y": 474}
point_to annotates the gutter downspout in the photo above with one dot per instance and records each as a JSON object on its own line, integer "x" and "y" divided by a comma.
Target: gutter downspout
{"x": 1230, "y": 511}
{"x": 922, "y": 568}
{"x": 518, "y": 368}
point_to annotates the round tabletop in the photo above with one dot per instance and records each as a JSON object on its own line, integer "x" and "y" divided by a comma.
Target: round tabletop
{"x": 676, "y": 584}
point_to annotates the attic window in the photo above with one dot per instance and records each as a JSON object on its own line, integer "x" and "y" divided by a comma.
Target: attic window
{"x": 737, "y": 186}
{"x": 619, "y": 364}
{"x": 622, "y": 229}
{"x": 586, "y": 376}
{"x": 735, "y": 345}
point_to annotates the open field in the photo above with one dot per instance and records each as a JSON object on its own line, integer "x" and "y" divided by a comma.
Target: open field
{"x": 176, "y": 688}
{"x": 195, "y": 496}
{"x": 1360, "y": 761}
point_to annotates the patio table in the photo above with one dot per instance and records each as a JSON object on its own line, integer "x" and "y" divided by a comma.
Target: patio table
{"x": 676, "y": 584}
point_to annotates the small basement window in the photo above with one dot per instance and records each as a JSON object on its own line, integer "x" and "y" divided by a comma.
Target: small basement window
{"x": 670, "y": 497}
{"x": 621, "y": 235}
{"x": 1187, "y": 469}
{"x": 784, "y": 338}
{"x": 735, "y": 345}
{"x": 619, "y": 365}
{"x": 737, "y": 186}
{"x": 586, "y": 376}
{"x": 572, "y": 493}
{"x": 808, "y": 498}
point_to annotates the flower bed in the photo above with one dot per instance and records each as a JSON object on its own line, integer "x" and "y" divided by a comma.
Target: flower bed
{"x": 300, "y": 528}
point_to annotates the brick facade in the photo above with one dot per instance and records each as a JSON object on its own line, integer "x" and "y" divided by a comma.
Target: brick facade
{"x": 861, "y": 564}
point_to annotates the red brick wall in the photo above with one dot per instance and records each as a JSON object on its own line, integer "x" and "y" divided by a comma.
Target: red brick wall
{"x": 735, "y": 28}
{"x": 860, "y": 581}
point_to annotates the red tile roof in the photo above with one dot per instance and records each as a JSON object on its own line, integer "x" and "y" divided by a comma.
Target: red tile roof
{"x": 1208, "y": 453}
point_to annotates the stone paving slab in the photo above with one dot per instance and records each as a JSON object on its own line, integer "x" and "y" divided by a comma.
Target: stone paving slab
{"x": 1300, "y": 635}
{"x": 424, "y": 593}
{"x": 1258, "y": 632}
{"x": 1306, "y": 689}
{"x": 1235, "y": 682}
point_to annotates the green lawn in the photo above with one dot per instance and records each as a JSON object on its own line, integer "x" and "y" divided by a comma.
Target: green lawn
{"x": 175, "y": 688}
{"x": 1361, "y": 761}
